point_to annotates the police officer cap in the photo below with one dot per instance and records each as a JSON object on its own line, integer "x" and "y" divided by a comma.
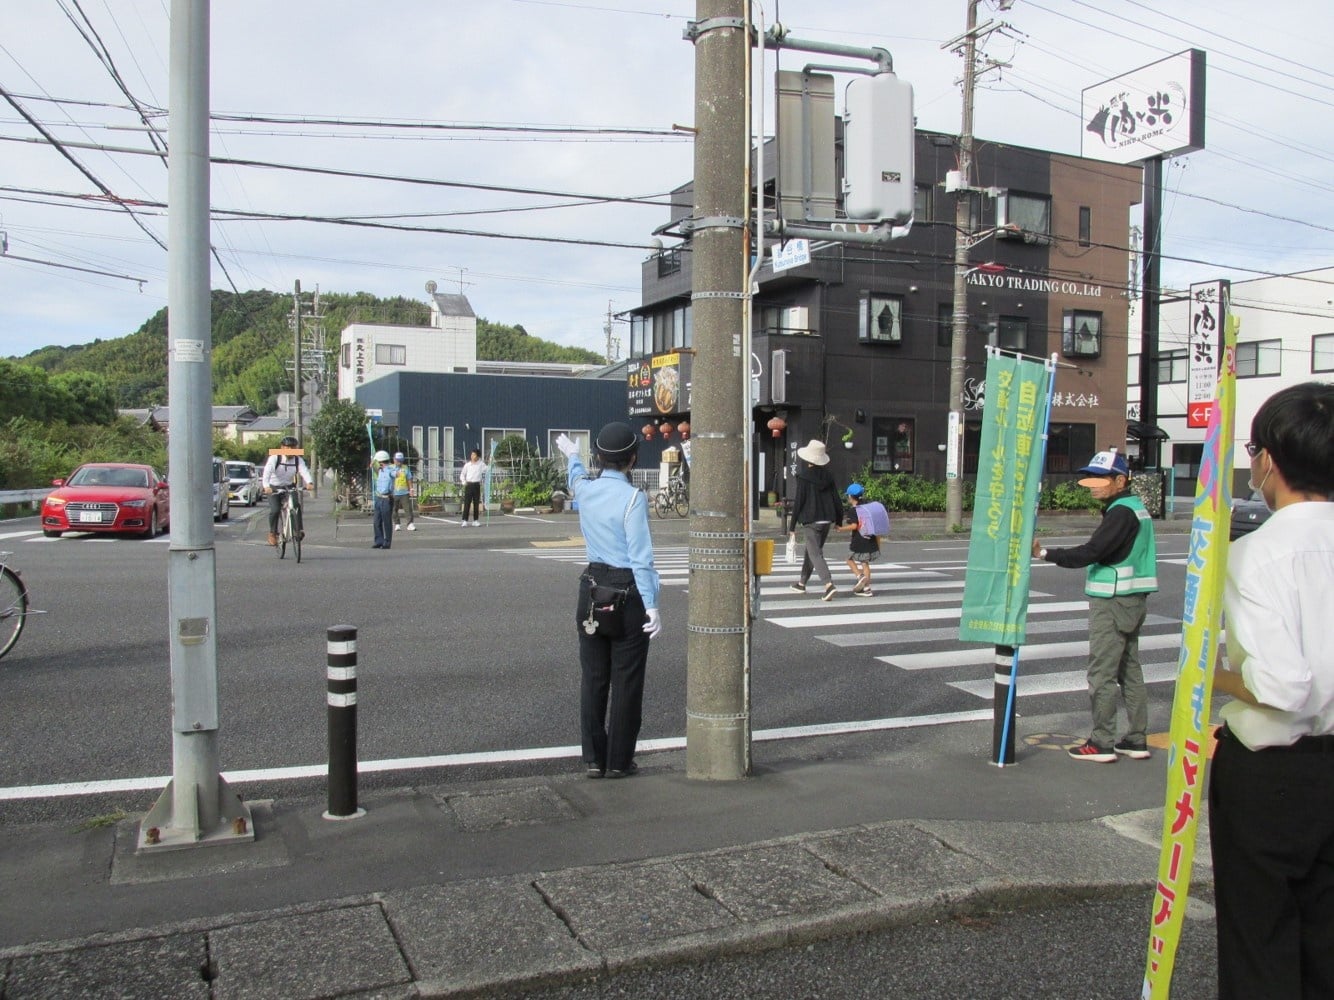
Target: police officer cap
{"x": 616, "y": 442}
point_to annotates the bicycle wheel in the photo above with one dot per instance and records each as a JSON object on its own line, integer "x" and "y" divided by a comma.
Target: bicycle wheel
{"x": 13, "y": 608}
{"x": 660, "y": 504}
{"x": 682, "y": 504}
{"x": 296, "y": 538}
{"x": 284, "y": 529}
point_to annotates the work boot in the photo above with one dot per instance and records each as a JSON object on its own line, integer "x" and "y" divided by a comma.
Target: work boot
{"x": 273, "y": 539}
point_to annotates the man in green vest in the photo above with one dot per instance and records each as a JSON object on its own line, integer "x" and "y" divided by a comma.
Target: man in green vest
{"x": 1120, "y": 561}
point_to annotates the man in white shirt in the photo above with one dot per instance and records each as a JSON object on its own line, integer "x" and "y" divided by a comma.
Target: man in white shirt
{"x": 1271, "y": 783}
{"x": 283, "y": 470}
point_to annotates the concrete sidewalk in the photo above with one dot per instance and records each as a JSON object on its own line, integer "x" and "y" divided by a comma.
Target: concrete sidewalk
{"x": 474, "y": 888}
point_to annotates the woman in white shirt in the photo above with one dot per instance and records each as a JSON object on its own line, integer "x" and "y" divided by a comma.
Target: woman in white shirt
{"x": 471, "y": 477}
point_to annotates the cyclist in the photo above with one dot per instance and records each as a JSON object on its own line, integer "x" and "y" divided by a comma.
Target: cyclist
{"x": 280, "y": 471}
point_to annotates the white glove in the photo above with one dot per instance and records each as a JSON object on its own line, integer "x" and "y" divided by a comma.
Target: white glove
{"x": 654, "y": 624}
{"x": 566, "y": 446}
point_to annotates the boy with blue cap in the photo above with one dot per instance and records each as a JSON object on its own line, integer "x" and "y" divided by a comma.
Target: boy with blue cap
{"x": 1120, "y": 560}
{"x": 871, "y": 524}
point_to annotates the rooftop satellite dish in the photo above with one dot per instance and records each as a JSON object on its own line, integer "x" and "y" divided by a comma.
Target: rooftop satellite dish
{"x": 430, "y": 287}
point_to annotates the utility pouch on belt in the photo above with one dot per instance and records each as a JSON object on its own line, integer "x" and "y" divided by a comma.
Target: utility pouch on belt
{"x": 606, "y": 608}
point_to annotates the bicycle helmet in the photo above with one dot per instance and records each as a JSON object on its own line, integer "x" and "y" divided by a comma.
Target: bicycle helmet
{"x": 382, "y": 456}
{"x": 289, "y": 442}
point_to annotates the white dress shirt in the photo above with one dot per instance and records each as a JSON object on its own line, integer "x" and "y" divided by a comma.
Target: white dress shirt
{"x": 1279, "y": 608}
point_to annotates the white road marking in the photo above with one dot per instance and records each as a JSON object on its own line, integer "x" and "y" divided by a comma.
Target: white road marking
{"x": 987, "y": 654}
{"x": 1062, "y": 682}
{"x": 912, "y": 615}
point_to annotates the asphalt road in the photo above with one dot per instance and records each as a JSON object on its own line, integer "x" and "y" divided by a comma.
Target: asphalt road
{"x": 471, "y": 650}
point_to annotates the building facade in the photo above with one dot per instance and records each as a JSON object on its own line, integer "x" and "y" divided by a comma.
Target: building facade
{"x": 449, "y": 344}
{"x": 854, "y": 347}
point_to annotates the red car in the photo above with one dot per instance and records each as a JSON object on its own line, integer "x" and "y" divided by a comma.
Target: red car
{"x": 108, "y": 496}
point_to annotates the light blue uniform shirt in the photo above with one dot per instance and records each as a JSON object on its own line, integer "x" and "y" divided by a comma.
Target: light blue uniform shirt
{"x": 384, "y": 480}
{"x": 613, "y": 516}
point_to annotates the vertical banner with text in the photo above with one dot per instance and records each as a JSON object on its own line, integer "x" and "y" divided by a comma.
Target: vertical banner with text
{"x": 1009, "y": 474}
{"x": 1201, "y": 620}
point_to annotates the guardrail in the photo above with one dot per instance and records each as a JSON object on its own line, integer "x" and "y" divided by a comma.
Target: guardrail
{"x": 22, "y": 496}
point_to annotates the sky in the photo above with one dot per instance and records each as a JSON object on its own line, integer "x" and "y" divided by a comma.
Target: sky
{"x": 556, "y": 108}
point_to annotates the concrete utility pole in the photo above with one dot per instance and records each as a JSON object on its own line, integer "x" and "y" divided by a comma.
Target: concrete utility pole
{"x": 962, "y": 244}
{"x": 196, "y": 807}
{"x": 717, "y": 710}
{"x": 297, "y": 387}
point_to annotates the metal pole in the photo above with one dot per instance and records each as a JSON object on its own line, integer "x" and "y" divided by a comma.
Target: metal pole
{"x": 196, "y": 806}
{"x": 717, "y": 713}
{"x": 341, "y": 656}
{"x": 1152, "y": 267}
{"x": 1002, "y": 705}
{"x": 962, "y": 242}
{"x": 296, "y": 361}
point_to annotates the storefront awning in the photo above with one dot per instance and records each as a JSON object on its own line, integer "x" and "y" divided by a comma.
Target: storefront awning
{"x": 1141, "y": 431}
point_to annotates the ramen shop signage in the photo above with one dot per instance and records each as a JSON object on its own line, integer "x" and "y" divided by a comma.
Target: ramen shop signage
{"x": 657, "y": 385}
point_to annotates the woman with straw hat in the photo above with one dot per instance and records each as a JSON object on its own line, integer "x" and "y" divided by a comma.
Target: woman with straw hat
{"x": 815, "y": 509}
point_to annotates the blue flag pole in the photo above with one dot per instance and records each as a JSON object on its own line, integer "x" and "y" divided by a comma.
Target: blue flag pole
{"x": 1005, "y": 751}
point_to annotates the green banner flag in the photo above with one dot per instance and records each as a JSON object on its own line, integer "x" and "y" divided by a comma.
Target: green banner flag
{"x": 1009, "y": 473}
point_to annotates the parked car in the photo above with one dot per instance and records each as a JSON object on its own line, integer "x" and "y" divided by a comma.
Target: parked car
{"x": 108, "y": 497}
{"x": 1248, "y": 514}
{"x": 243, "y": 484}
{"x": 222, "y": 501}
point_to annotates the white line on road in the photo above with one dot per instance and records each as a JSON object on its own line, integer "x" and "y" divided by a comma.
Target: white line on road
{"x": 16, "y": 534}
{"x": 987, "y": 654}
{"x": 916, "y": 615}
{"x": 148, "y": 784}
{"x": 1062, "y": 682}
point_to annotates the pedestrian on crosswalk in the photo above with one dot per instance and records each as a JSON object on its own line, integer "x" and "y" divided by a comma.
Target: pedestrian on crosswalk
{"x": 1121, "y": 571}
{"x": 815, "y": 508}
{"x": 870, "y": 524}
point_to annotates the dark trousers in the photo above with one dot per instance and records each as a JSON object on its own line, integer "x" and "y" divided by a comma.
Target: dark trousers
{"x": 472, "y": 496}
{"x": 383, "y": 521}
{"x": 611, "y": 694}
{"x": 402, "y": 502}
{"x": 1271, "y": 831}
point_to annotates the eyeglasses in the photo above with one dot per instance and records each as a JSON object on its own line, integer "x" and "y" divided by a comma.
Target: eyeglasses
{"x": 1254, "y": 449}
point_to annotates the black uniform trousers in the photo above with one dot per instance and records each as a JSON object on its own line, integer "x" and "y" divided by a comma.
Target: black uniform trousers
{"x": 1271, "y": 828}
{"x": 611, "y": 694}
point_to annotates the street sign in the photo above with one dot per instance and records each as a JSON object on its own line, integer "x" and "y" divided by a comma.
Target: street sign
{"x": 793, "y": 253}
{"x": 1197, "y": 414}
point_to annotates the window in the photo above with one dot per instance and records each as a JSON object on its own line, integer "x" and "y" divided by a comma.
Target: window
{"x": 881, "y": 320}
{"x": 345, "y": 356}
{"x": 892, "y": 444}
{"x": 945, "y": 325}
{"x": 1085, "y": 225}
{"x": 1171, "y": 367}
{"x": 1069, "y": 446}
{"x": 1322, "y": 352}
{"x": 1081, "y": 334}
{"x": 669, "y": 262}
{"x": 640, "y": 346}
{"x": 786, "y": 321}
{"x": 581, "y": 438}
{"x": 1258, "y": 357}
{"x": 661, "y": 332}
{"x": 1132, "y": 369}
{"x": 391, "y": 354}
{"x": 1030, "y": 212}
{"x": 922, "y": 203}
{"x": 1012, "y": 333}
{"x": 494, "y": 435}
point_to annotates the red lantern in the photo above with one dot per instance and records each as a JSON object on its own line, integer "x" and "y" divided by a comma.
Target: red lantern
{"x": 777, "y": 425}
{"x": 647, "y": 430}
{"x": 683, "y": 429}
{"x": 665, "y": 430}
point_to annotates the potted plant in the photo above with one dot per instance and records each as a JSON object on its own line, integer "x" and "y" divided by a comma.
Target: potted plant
{"x": 847, "y": 438}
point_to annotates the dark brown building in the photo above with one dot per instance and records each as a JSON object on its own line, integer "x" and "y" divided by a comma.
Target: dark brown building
{"x": 856, "y": 343}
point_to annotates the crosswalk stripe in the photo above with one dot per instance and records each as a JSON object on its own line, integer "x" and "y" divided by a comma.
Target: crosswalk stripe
{"x": 1061, "y": 682}
{"x": 987, "y": 654}
{"x": 914, "y": 615}
{"x": 846, "y": 639}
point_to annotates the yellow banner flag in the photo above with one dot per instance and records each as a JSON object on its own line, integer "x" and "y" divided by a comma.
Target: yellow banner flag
{"x": 1201, "y": 618}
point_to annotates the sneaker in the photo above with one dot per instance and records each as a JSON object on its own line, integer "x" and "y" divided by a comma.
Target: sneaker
{"x": 477, "y": 524}
{"x": 412, "y": 527}
{"x": 630, "y": 770}
{"x": 829, "y": 591}
{"x": 1135, "y": 751}
{"x": 800, "y": 588}
{"x": 861, "y": 584}
{"x": 863, "y": 593}
{"x": 593, "y": 771}
{"x": 1092, "y": 752}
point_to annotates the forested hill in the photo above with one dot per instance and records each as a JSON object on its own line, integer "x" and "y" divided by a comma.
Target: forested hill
{"x": 252, "y": 343}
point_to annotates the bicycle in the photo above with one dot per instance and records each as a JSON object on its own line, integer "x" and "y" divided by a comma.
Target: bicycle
{"x": 674, "y": 496}
{"x": 289, "y": 521}
{"x": 13, "y": 605}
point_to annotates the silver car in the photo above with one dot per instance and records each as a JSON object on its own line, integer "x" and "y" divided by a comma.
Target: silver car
{"x": 222, "y": 505}
{"x": 243, "y": 484}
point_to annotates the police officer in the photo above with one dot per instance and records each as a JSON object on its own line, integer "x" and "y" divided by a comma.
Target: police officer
{"x": 613, "y": 636}
{"x": 383, "y": 519}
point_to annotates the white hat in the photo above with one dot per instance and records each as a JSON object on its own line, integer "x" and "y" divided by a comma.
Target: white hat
{"x": 814, "y": 453}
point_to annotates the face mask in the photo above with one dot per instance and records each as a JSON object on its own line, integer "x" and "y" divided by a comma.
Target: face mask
{"x": 1250, "y": 481}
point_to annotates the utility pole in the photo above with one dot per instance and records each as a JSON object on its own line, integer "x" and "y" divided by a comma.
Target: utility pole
{"x": 196, "y": 807}
{"x": 297, "y": 387}
{"x": 717, "y": 710}
{"x": 963, "y": 200}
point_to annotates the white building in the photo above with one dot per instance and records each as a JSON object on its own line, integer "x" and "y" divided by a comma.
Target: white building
{"x": 1286, "y": 337}
{"x": 367, "y": 351}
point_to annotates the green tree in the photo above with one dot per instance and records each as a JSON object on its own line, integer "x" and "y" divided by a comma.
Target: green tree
{"x": 339, "y": 430}
{"x": 86, "y": 396}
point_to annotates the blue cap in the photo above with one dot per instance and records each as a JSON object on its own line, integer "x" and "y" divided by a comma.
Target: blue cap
{"x": 855, "y": 490}
{"x": 398, "y": 456}
{"x": 1107, "y": 463}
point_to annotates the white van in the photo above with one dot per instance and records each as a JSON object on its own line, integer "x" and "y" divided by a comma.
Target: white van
{"x": 222, "y": 507}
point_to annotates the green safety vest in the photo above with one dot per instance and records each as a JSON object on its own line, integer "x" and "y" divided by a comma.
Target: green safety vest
{"x": 1137, "y": 573}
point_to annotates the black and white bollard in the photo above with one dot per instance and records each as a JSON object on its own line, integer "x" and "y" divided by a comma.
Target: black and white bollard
{"x": 1002, "y": 707}
{"x": 342, "y": 699}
